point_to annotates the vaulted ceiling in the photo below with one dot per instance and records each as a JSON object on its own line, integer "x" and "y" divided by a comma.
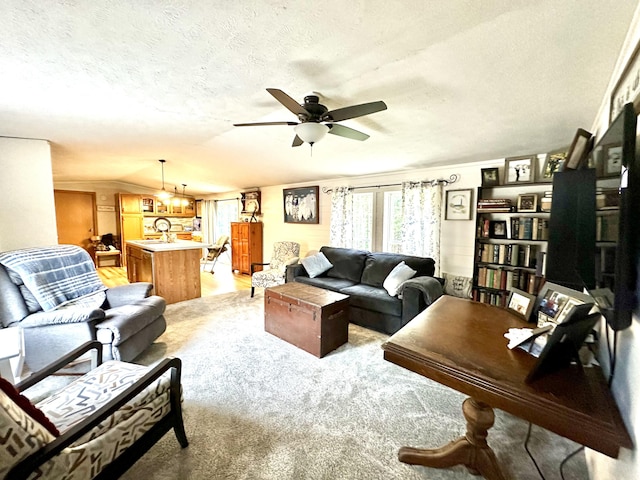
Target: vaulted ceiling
{"x": 115, "y": 86}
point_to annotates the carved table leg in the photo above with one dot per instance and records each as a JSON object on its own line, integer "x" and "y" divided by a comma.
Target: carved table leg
{"x": 471, "y": 450}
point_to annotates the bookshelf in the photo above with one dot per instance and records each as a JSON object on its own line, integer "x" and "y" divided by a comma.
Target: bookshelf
{"x": 512, "y": 230}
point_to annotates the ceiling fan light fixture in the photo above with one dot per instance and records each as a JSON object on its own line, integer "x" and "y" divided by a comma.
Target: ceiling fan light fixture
{"x": 311, "y": 132}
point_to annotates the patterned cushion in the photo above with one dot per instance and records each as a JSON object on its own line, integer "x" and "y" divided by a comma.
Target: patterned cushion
{"x": 267, "y": 278}
{"x": 29, "y": 408}
{"x": 20, "y": 435}
{"x": 88, "y": 393}
{"x": 99, "y": 447}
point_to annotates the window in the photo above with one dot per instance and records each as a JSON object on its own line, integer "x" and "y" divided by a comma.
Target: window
{"x": 226, "y": 212}
{"x": 377, "y": 223}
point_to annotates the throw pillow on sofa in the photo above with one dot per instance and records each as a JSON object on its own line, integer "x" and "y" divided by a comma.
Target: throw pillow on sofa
{"x": 457, "y": 285}
{"x": 316, "y": 264}
{"x": 400, "y": 274}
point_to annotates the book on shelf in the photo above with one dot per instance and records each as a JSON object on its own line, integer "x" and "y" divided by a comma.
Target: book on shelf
{"x": 495, "y": 205}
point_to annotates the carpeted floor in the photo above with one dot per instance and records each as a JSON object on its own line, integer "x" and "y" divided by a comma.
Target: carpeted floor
{"x": 257, "y": 407}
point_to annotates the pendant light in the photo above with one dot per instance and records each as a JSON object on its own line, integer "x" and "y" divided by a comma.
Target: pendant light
{"x": 163, "y": 194}
{"x": 185, "y": 202}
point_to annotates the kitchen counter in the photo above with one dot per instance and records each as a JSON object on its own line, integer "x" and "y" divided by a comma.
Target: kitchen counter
{"x": 159, "y": 246}
{"x": 173, "y": 268}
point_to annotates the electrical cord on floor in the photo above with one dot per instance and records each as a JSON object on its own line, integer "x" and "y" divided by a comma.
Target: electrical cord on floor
{"x": 567, "y": 458}
{"x": 526, "y": 447}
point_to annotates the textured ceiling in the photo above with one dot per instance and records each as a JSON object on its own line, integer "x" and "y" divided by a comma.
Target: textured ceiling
{"x": 116, "y": 85}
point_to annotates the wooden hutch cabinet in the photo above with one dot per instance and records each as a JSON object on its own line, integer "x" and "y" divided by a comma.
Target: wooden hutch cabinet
{"x": 246, "y": 245}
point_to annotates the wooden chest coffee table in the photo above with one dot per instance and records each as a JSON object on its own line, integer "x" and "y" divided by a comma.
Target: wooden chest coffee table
{"x": 311, "y": 318}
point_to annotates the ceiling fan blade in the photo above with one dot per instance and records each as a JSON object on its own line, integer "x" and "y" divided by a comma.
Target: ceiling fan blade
{"x": 297, "y": 141}
{"x": 346, "y": 132}
{"x": 288, "y": 102}
{"x": 355, "y": 111}
{"x": 260, "y": 124}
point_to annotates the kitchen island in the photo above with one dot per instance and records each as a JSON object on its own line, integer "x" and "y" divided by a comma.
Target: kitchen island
{"x": 172, "y": 267}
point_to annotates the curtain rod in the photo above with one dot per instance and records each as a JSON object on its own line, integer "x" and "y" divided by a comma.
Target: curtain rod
{"x": 452, "y": 179}
{"x": 226, "y": 199}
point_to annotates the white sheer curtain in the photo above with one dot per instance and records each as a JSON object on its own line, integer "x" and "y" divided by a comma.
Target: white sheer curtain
{"x": 421, "y": 214}
{"x": 208, "y": 221}
{"x": 341, "y": 227}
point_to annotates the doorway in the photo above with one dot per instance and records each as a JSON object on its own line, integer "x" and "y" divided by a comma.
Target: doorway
{"x": 76, "y": 218}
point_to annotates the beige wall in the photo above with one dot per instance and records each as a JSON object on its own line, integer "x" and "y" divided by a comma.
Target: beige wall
{"x": 27, "y": 217}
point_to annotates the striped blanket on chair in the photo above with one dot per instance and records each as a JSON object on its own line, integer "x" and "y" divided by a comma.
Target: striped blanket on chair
{"x": 55, "y": 276}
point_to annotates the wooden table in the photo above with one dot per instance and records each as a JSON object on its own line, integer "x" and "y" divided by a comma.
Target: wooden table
{"x": 313, "y": 319}
{"x": 460, "y": 344}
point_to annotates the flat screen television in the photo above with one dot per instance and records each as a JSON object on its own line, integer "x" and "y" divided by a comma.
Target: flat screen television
{"x": 620, "y": 139}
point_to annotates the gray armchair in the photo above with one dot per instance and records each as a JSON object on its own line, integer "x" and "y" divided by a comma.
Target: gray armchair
{"x": 55, "y": 295}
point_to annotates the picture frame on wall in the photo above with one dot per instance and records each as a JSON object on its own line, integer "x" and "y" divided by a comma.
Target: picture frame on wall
{"x": 579, "y": 150}
{"x": 301, "y": 205}
{"x": 519, "y": 169}
{"x": 553, "y": 162}
{"x": 627, "y": 89}
{"x": 490, "y": 177}
{"x": 458, "y": 204}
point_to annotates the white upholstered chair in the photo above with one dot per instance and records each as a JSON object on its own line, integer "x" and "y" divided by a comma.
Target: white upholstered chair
{"x": 284, "y": 253}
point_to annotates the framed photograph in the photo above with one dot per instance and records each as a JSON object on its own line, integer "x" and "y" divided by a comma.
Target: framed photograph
{"x": 551, "y": 301}
{"x": 610, "y": 161}
{"x": 458, "y": 204}
{"x": 301, "y": 205}
{"x": 579, "y": 150}
{"x": 553, "y": 162}
{"x": 628, "y": 88}
{"x": 498, "y": 229}
{"x": 519, "y": 169}
{"x": 490, "y": 177}
{"x": 528, "y": 202}
{"x": 521, "y": 302}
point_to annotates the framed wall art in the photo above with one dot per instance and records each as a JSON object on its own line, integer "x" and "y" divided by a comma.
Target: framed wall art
{"x": 301, "y": 205}
{"x": 627, "y": 88}
{"x": 519, "y": 169}
{"x": 458, "y": 204}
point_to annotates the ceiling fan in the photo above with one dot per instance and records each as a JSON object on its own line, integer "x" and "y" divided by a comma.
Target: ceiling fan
{"x": 315, "y": 120}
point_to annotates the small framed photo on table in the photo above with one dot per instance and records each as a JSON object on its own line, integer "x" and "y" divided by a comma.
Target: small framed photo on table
{"x": 519, "y": 169}
{"x": 458, "y": 204}
{"x": 528, "y": 202}
{"x": 521, "y": 302}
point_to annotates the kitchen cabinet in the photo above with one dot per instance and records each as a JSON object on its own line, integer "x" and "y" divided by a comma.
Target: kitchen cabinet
{"x": 246, "y": 245}
{"x": 175, "y": 207}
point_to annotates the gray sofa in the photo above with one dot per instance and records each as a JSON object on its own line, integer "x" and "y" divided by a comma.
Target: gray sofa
{"x": 125, "y": 319}
{"x": 360, "y": 274}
